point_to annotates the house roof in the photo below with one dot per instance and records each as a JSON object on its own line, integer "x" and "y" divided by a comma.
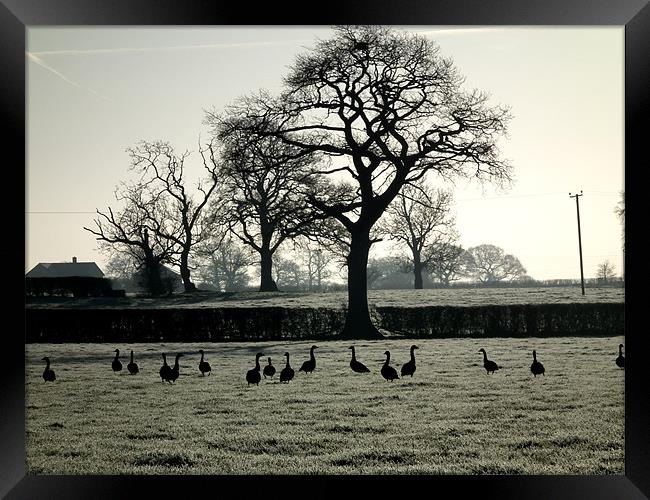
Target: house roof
{"x": 65, "y": 270}
{"x": 165, "y": 272}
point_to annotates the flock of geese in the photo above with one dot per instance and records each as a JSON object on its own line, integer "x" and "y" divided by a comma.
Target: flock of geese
{"x": 253, "y": 376}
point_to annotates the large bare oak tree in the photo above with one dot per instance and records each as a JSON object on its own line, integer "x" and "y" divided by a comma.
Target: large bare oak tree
{"x": 381, "y": 108}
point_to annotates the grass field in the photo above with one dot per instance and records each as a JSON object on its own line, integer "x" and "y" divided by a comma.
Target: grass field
{"x": 398, "y": 298}
{"x": 450, "y": 418}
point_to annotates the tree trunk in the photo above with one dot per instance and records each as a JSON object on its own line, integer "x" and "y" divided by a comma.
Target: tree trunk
{"x": 267, "y": 284}
{"x": 154, "y": 281}
{"x": 185, "y": 273}
{"x": 417, "y": 271}
{"x": 319, "y": 270}
{"x": 310, "y": 274}
{"x": 358, "y": 324}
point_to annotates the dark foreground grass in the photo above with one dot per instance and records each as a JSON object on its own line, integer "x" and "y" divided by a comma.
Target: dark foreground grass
{"x": 450, "y": 418}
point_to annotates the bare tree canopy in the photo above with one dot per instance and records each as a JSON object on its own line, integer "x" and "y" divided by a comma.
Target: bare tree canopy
{"x": 420, "y": 219}
{"x": 130, "y": 231}
{"x": 181, "y": 220}
{"x": 605, "y": 271}
{"x": 226, "y": 267}
{"x": 316, "y": 261}
{"x": 289, "y": 274}
{"x": 160, "y": 222}
{"x": 382, "y": 267}
{"x": 268, "y": 181}
{"x": 448, "y": 262}
{"x": 121, "y": 266}
{"x": 380, "y": 108}
{"x": 489, "y": 263}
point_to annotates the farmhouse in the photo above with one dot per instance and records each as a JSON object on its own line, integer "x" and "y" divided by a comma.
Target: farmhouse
{"x": 65, "y": 270}
{"x": 80, "y": 279}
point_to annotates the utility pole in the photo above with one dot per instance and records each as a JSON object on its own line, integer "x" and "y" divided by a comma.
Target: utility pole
{"x": 582, "y": 275}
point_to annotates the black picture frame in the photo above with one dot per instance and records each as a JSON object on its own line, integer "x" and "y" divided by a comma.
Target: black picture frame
{"x": 17, "y": 15}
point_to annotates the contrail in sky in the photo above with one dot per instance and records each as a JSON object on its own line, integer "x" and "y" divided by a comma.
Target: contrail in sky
{"x": 117, "y": 50}
{"x": 434, "y": 31}
{"x": 164, "y": 48}
{"x": 460, "y": 31}
{"x": 34, "y": 58}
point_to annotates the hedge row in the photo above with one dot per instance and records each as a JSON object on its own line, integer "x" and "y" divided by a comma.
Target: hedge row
{"x": 180, "y": 325}
{"x": 506, "y": 321}
{"x": 277, "y": 323}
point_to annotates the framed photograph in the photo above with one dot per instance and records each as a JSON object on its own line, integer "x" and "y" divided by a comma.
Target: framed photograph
{"x": 386, "y": 245}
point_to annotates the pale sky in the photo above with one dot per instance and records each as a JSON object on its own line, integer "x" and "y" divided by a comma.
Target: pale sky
{"x": 93, "y": 92}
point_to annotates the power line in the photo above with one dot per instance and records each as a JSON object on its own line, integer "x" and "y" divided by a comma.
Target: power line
{"x": 531, "y": 195}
